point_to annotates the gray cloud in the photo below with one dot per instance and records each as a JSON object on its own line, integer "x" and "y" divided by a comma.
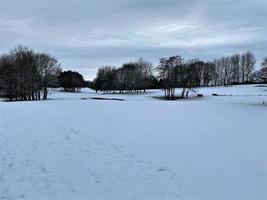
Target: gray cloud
{"x": 87, "y": 34}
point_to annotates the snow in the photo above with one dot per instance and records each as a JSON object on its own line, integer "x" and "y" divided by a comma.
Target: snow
{"x": 73, "y": 147}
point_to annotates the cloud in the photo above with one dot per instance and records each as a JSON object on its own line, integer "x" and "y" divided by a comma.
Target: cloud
{"x": 87, "y": 34}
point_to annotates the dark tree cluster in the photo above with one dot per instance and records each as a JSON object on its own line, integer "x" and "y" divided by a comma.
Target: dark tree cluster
{"x": 131, "y": 77}
{"x": 175, "y": 72}
{"x": 26, "y": 75}
{"x": 71, "y": 81}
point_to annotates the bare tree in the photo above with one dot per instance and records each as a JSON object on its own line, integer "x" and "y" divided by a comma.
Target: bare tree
{"x": 261, "y": 75}
{"x": 26, "y": 74}
{"x": 247, "y": 66}
{"x": 235, "y": 66}
{"x": 146, "y": 73}
{"x": 130, "y": 77}
{"x": 208, "y": 73}
{"x": 49, "y": 69}
{"x": 264, "y": 62}
{"x": 168, "y": 70}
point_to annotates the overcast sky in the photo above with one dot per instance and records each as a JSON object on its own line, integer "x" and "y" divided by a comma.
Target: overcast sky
{"x": 85, "y": 35}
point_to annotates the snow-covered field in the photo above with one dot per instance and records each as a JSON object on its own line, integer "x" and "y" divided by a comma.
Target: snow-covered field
{"x": 69, "y": 148}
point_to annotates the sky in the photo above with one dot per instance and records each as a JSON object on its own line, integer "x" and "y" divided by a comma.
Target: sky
{"x": 85, "y": 35}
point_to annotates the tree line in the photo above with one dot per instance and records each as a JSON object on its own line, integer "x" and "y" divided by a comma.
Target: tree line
{"x": 175, "y": 71}
{"x": 131, "y": 77}
{"x": 27, "y": 75}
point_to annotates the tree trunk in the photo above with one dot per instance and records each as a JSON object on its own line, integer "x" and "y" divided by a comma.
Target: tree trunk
{"x": 183, "y": 91}
{"x": 45, "y": 93}
{"x": 187, "y": 92}
{"x": 172, "y": 93}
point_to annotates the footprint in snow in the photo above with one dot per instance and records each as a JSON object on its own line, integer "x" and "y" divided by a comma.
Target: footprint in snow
{"x": 74, "y": 131}
{"x": 161, "y": 169}
{"x": 67, "y": 137}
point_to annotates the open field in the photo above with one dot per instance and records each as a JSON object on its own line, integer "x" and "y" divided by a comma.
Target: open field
{"x": 75, "y": 147}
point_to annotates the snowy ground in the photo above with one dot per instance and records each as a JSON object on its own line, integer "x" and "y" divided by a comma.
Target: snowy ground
{"x": 68, "y": 148}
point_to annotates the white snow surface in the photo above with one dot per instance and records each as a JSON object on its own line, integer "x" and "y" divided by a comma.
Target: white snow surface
{"x": 69, "y": 148}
